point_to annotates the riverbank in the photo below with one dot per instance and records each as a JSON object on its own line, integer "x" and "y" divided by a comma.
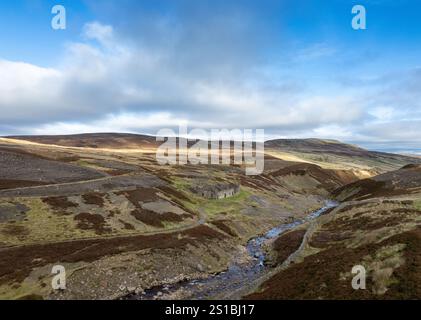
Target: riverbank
{"x": 245, "y": 271}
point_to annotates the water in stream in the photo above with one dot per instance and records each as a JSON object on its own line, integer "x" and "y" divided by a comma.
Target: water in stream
{"x": 236, "y": 277}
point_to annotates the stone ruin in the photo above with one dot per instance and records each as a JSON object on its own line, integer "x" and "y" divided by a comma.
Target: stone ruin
{"x": 217, "y": 191}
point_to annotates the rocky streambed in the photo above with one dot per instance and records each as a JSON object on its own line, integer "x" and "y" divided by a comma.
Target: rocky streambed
{"x": 240, "y": 274}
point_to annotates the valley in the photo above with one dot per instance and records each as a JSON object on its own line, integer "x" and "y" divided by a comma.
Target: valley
{"x": 122, "y": 225}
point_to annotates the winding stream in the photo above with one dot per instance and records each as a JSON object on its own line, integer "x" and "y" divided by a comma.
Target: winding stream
{"x": 237, "y": 275}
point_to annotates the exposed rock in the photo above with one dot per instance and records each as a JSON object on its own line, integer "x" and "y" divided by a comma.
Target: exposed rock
{"x": 200, "y": 267}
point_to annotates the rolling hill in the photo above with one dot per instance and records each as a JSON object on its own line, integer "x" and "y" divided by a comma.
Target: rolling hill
{"x": 94, "y": 140}
{"x": 329, "y": 154}
{"x": 406, "y": 180}
{"x": 98, "y": 205}
{"x": 377, "y": 225}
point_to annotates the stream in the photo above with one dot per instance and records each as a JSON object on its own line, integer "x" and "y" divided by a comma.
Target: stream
{"x": 235, "y": 277}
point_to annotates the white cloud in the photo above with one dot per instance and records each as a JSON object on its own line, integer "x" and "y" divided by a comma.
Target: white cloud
{"x": 97, "y": 31}
{"x": 111, "y": 85}
{"x": 26, "y": 89}
{"x": 125, "y": 122}
{"x": 94, "y": 82}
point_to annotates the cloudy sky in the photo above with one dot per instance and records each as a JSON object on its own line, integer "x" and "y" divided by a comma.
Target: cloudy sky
{"x": 295, "y": 68}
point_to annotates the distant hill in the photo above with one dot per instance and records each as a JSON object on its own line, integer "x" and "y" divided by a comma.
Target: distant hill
{"x": 406, "y": 180}
{"x": 328, "y": 154}
{"x": 332, "y": 154}
{"x": 317, "y": 146}
{"x": 125, "y": 140}
{"x": 94, "y": 140}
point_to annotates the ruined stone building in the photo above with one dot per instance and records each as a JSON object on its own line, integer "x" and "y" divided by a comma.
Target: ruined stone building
{"x": 217, "y": 191}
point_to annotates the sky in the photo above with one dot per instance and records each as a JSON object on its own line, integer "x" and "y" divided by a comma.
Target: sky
{"x": 295, "y": 68}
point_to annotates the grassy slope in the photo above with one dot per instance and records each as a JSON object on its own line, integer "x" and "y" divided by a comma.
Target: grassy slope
{"x": 263, "y": 198}
{"x": 336, "y": 155}
{"x": 381, "y": 232}
{"x": 328, "y": 154}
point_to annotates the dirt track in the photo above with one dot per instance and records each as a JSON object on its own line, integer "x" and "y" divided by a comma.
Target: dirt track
{"x": 76, "y": 188}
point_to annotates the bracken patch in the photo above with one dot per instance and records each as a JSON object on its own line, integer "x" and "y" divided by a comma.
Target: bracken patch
{"x": 287, "y": 244}
{"x": 15, "y": 231}
{"x": 60, "y": 203}
{"x": 127, "y": 225}
{"x": 222, "y": 225}
{"x": 14, "y": 184}
{"x": 156, "y": 219}
{"x": 140, "y": 195}
{"x": 94, "y": 198}
{"x": 96, "y": 222}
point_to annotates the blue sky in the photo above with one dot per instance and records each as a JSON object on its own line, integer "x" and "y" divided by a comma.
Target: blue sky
{"x": 293, "y": 68}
